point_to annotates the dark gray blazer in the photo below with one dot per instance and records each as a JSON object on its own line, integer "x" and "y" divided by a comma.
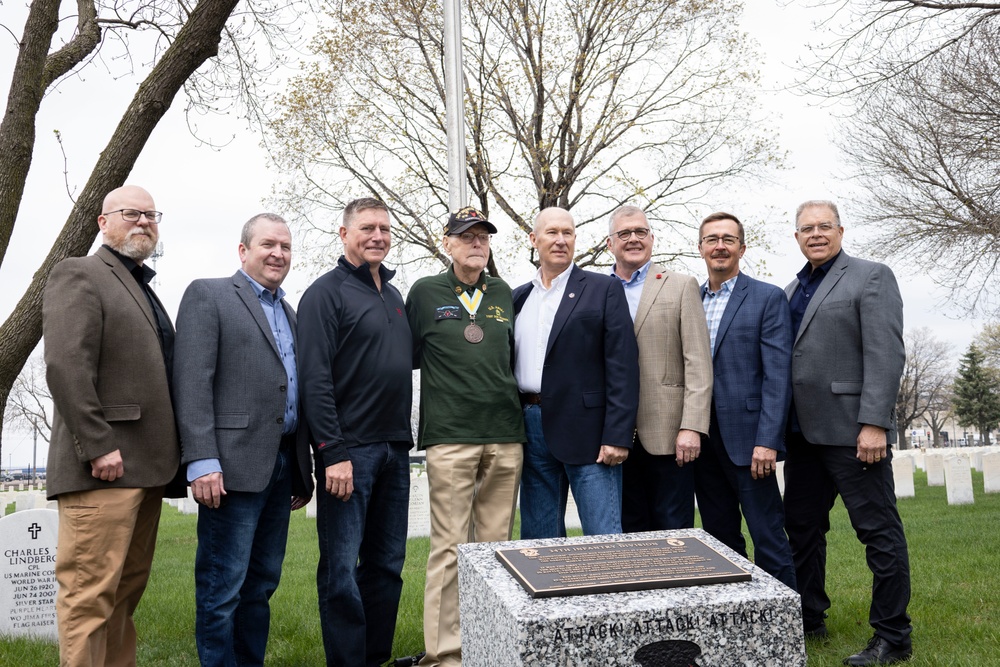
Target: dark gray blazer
{"x": 230, "y": 385}
{"x": 848, "y": 354}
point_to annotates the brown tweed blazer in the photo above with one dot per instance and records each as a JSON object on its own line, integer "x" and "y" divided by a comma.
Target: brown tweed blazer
{"x": 675, "y": 362}
{"x": 108, "y": 380}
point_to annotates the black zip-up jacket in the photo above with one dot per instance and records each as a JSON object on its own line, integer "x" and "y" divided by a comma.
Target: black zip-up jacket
{"x": 355, "y": 359}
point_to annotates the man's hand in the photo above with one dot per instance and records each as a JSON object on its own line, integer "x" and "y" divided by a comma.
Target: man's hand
{"x": 871, "y": 444}
{"x": 108, "y": 467}
{"x": 688, "y": 446}
{"x": 340, "y": 480}
{"x": 298, "y": 502}
{"x": 764, "y": 462}
{"x": 208, "y": 489}
{"x": 611, "y": 455}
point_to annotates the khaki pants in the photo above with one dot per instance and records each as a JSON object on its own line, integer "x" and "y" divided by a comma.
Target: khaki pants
{"x": 473, "y": 492}
{"x": 105, "y": 549}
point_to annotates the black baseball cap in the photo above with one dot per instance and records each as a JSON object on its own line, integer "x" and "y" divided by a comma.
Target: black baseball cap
{"x": 464, "y": 218}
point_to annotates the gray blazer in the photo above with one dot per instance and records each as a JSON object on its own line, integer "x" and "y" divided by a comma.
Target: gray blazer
{"x": 848, "y": 354}
{"x": 230, "y": 385}
{"x": 105, "y": 369}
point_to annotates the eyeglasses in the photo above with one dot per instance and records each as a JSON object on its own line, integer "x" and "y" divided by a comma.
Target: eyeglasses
{"x": 727, "y": 240}
{"x": 626, "y": 234}
{"x": 469, "y": 237}
{"x": 132, "y": 215}
{"x": 824, "y": 228}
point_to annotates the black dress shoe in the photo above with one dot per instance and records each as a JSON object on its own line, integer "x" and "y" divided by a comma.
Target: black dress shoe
{"x": 880, "y": 652}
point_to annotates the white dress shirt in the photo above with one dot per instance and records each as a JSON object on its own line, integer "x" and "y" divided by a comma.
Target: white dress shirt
{"x": 532, "y": 328}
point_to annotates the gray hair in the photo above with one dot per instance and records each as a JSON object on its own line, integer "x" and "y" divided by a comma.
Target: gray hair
{"x": 355, "y": 206}
{"x": 818, "y": 203}
{"x": 623, "y": 211}
{"x": 246, "y": 236}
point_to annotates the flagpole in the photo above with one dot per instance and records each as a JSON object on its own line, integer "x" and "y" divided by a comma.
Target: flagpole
{"x": 454, "y": 105}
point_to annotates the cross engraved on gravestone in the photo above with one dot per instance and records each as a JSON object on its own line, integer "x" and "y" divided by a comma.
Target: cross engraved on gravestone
{"x": 34, "y": 529}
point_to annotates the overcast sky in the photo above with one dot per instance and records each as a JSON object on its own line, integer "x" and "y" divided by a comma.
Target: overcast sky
{"x": 207, "y": 194}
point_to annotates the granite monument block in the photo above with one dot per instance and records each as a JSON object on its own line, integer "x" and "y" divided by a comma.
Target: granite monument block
{"x": 755, "y": 622}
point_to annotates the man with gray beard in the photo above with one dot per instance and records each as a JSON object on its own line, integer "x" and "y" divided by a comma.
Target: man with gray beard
{"x": 114, "y": 448}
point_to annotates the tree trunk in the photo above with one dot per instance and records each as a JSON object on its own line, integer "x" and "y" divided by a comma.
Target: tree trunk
{"x": 17, "y": 131}
{"x": 196, "y": 42}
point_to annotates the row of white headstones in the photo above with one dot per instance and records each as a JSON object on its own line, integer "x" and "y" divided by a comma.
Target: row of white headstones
{"x": 951, "y": 468}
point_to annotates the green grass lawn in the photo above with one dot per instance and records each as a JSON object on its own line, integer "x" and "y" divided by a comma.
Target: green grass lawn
{"x": 954, "y": 556}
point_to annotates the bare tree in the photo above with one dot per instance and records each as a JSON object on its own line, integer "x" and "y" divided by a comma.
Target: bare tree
{"x": 926, "y": 148}
{"x": 939, "y": 410}
{"x": 29, "y": 405}
{"x": 988, "y": 342}
{"x": 183, "y": 38}
{"x": 926, "y": 379}
{"x": 574, "y": 103}
{"x": 871, "y": 42}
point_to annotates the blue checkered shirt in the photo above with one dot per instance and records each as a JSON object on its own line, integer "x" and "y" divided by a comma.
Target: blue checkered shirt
{"x": 715, "y": 305}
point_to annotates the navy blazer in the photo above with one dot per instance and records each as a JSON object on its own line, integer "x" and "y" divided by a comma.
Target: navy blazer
{"x": 590, "y": 377}
{"x": 752, "y": 363}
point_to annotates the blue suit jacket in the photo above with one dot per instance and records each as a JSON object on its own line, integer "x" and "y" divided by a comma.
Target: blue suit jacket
{"x": 753, "y": 369}
{"x": 590, "y": 380}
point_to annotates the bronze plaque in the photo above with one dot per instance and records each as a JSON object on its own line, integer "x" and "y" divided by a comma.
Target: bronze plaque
{"x": 608, "y": 567}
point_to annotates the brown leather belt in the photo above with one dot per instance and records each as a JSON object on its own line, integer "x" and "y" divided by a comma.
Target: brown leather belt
{"x": 531, "y": 399}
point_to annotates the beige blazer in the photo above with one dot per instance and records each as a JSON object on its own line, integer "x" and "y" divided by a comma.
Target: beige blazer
{"x": 105, "y": 369}
{"x": 675, "y": 360}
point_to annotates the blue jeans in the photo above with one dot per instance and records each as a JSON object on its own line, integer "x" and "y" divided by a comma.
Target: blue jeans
{"x": 362, "y": 544}
{"x": 597, "y": 489}
{"x": 241, "y": 545}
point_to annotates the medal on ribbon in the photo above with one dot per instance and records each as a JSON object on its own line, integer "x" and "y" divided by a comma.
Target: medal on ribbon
{"x": 473, "y": 332}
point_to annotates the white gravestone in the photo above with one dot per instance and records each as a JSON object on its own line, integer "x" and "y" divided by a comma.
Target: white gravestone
{"x": 26, "y": 501}
{"x": 976, "y": 458}
{"x": 934, "y": 464}
{"x": 311, "y": 505}
{"x": 572, "y": 513}
{"x": 991, "y": 472}
{"x": 28, "y": 586}
{"x": 419, "y": 515}
{"x": 187, "y": 506}
{"x": 902, "y": 476}
{"x": 779, "y": 474}
{"x": 958, "y": 479}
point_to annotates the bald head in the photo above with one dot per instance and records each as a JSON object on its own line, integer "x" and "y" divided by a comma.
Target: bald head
{"x": 134, "y": 238}
{"x": 113, "y": 200}
{"x": 553, "y": 213}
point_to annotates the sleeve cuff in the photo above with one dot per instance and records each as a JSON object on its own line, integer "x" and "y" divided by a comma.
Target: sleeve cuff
{"x": 202, "y": 467}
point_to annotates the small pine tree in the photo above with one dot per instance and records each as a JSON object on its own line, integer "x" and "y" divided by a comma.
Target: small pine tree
{"x": 976, "y": 396}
